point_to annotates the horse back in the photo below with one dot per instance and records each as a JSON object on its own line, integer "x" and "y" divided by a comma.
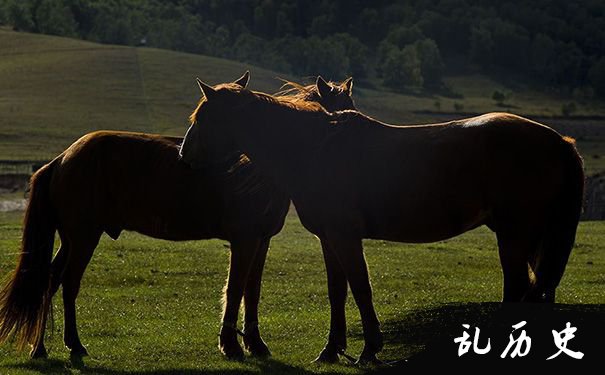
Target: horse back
{"x": 135, "y": 181}
{"x": 426, "y": 183}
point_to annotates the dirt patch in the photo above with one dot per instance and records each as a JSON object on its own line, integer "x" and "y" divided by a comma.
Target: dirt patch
{"x": 13, "y": 205}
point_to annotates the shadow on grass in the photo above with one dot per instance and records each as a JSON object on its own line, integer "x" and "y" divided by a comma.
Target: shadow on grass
{"x": 424, "y": 339}
{"x": 87, "y": 366}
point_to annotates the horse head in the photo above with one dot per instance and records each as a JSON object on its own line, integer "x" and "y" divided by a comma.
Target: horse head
{"x": 194, "y": 150}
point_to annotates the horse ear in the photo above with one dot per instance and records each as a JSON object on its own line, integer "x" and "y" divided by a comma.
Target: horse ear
{"x": 207, "y": 90}
{"x": 348, "y": 85}
{"x": 322, "y": 87}
{"x": 243, "y": 80}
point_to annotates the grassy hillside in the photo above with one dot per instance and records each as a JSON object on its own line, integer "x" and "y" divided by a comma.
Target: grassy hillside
{"x": 148, "y": 306}
{"x": 53, "y": 90}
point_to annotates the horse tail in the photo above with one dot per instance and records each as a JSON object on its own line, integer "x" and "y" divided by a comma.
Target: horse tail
{"x": 26, "y": 296}
{"x": 561, "y": 229}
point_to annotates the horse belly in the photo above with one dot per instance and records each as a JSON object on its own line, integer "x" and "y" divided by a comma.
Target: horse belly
{"x": 169, "y": 223}
{"x": 426, "y": 221}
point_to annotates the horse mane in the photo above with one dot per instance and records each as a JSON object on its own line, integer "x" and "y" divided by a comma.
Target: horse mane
{"x": 290, "y": 101}
{"x": 296, "y": 91}
{"x": 295, "y": 96}
{"x": 193, "y": 115}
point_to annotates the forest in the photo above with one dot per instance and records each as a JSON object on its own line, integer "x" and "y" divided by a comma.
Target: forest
{"x": 554, "y": 45}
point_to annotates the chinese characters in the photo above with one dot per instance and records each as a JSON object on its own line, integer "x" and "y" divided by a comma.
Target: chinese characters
{"x": 519, "y": 343}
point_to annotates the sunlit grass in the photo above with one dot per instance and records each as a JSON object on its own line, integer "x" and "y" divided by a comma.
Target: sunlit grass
{"x": 150, "y": 305}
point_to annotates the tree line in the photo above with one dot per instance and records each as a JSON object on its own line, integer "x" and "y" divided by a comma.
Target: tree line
{"x": 557, "y": 44}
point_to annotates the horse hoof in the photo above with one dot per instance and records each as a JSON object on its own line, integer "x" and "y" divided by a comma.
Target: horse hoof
{"x": 327, "y": 356}
{"x": 229, "y": 346}
{"x": 234, "y": 356}
{"x": 79, "y": 351}
{"x": 255, "y": 345}
{"x": 38, "y": 353}
{"x": 259, "y": 351}
{"x": 234, "y": 353}
{"x": 369, "y": 360}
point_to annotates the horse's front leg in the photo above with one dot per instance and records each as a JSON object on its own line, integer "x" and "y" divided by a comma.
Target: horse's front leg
{"x": 349, "y": 251}
{"x": 337, "y": 294}
{"x": 242, "y": 255}
{"x": 252, "y": 339}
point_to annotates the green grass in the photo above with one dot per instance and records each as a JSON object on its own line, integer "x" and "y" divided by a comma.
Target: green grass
{"x": 153, "y": 306}
{"x": 55, "y": 89}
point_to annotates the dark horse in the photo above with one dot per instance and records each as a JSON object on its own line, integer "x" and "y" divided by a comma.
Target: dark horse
{"x": 351, "y": 177}
{"x": 111, "y": 181}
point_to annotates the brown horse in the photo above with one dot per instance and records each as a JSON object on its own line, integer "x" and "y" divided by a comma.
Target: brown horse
{"x": 352, "y": 177}
{"x": 111, "y": 181}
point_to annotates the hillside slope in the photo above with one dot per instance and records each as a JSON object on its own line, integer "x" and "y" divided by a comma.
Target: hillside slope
{"x": 53, "y": 90}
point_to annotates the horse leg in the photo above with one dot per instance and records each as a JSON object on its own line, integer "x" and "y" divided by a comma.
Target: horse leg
{"x": 81, "y": 252}
{"x": 337, "y": 294}
{"x": 242, "y": 254}
{"x": 252, "y": 338}
{"x": 550, "y": 264}
{"x": 56, "y": 273}
{"x": 514, "y": 251}
{"x": 349, "y": 252}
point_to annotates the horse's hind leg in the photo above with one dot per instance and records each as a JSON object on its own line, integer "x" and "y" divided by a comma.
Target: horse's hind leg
{"x": 252, "y": 338}
{"x": 515, "y": 250}
{"x": 242, "y": 255}
{"x": 56, "y": 273}
{"x": 551, "y": 262}
{"x": 81, "y": 252}
{"x": 349, "y": 252}
{"x": 337, "y": 294}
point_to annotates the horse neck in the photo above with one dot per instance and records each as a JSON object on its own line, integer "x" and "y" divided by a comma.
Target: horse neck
{"x": 281, "y": 141}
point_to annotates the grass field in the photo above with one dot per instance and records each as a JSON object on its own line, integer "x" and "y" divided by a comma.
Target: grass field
{"x": 150, "y": 306}
{"x": 56, "y": 89}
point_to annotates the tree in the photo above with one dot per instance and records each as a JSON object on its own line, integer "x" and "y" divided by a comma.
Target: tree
{"x": 324, "y": 57}
{"x": 482, "y": 44}
{"x": 265, "y": 16}
{"x": 355, "y": 51}
{"x": 112, "y": 24}
{"x": 494, "y": 41}
{"x": 55, "y": 18}
{"x": 19, "y": 14}
{"x": 252, "y": 49}
{"x": 402, "y": 67}
{"x": 431, "y": 64}
{"x": 417, "y": 64}
{"x": 283, "y": 26}
{"x": 3, "y": 13}
{"x": 596, "y": 76}
{"x": 321, "y": 26}
{"x": 569, "y": 64}
{"x": 369, "y": 19}
{"x": 543, "y": 58}
{"x": 402, "y": 36}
